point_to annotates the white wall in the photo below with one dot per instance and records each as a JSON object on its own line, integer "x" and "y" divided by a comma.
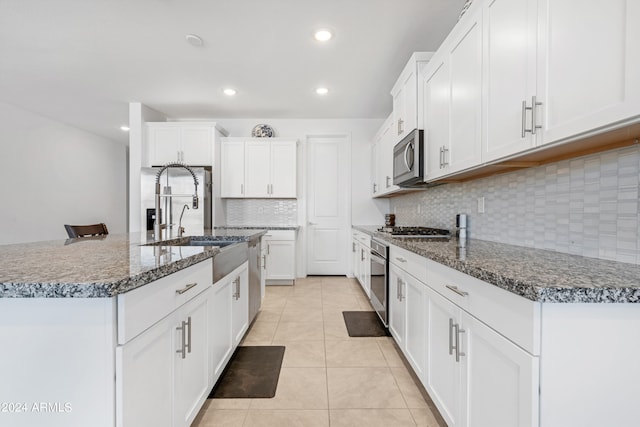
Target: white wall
{"x": 53, "y": 174}
{"x": 364, "y": 210}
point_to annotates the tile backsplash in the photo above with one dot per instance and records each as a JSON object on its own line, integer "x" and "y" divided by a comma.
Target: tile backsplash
{"x": 586, "y": 206}
{"x": 262, "y": 212}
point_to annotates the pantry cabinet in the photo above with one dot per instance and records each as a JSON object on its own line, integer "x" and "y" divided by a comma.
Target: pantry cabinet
{"x": 182, "y": 142}
{"x": 406, "y": 106}
{"x": 382, "y": 159}
{"x": 259, "y": 168}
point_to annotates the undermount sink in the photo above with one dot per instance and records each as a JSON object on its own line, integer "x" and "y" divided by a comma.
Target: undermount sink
{"x": 194, "y": 241}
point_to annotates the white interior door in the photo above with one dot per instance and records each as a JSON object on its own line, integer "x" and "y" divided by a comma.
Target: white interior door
{"x": 328, "y": 201}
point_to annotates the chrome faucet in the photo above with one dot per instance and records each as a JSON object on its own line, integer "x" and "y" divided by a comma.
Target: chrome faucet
{"x": 159, "y": 226}
{"x": 180, "y": 227}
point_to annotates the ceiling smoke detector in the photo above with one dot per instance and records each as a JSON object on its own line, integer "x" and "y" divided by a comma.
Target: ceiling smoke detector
{"x": 194, "y": 40}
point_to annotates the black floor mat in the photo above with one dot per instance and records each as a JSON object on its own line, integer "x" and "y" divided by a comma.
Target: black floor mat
{"x": 364, "y": 324}
{"x": 252, "y": 372}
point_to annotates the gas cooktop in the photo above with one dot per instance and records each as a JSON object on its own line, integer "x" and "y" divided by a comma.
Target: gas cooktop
{"x": 421, "y": 232}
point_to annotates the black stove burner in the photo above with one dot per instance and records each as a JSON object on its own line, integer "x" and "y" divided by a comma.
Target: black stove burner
{"x": 416, "y": 231}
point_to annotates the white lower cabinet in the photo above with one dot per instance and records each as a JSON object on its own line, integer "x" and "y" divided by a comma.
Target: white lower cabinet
{"x": 144, "y": 396}
{"x": 165, "y": 370}
{"x": 476, "y": 376}
{"x": 240, "y": 303}
{"x": 280, "y": 261}
{"x": 361, "y": 250}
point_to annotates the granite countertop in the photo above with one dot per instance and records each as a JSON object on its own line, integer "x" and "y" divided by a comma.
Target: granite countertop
{"x": 100, "y": 266}
{"x": 536, "y": 274}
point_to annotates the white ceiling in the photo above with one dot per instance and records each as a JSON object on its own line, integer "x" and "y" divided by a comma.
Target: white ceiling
{"x": 82, "y": 61}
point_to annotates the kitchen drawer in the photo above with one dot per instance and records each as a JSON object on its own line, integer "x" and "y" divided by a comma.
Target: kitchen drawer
{"x": 280, "y": 235}
{"x": 361, "y": 237}
{"x": 410, "y": 262}
{"x": 140, "y": 308}
{"x": 513, "y": 316}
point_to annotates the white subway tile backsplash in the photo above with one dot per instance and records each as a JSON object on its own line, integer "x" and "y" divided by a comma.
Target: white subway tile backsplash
{"x": 587, "y": 206}
{"x": 262, "y": 212}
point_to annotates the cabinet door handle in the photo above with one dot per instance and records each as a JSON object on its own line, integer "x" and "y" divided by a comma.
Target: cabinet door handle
{"x": 398, "y": 289}
{"x": 445, "y": 150}
{"x": 402, "y": 286}
{"x": 239, "y": 288}
{"x": 401, "y": 259}
{"x": 374, "y": 187}
{"x": 458, "y": 332}
{"x": 441, "y": 157}
{"x": 524, "y": 118}
{"x": 388, "y": 179}
{"x": 183, "y": 329}
{"x": 451, "y": 347}
{"x": 264, "y": 262}
{"x": 241, "y": 188}
{"x": 353, "y": 246}
{"x": 534, "y": 122}
{"x": 361, "y": 254}
{"x": 186, "y": 288}
{"x": 188, "y": 343}
{"x": 457, "y": 290}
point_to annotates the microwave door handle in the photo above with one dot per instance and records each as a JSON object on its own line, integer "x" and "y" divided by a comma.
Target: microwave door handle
{"x": 406, "y": 161}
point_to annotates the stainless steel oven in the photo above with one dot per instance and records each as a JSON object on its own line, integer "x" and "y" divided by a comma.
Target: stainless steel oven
{"x": 380, "y": 279}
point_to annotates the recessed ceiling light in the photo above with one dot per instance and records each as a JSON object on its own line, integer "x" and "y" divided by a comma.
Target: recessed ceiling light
{"x": 322, "y": 91}
{"x": 229, "y": 92}
{"x": 323, "y": 35}
{"x": 194, "y": 40}
{"x": 124, "y": 128}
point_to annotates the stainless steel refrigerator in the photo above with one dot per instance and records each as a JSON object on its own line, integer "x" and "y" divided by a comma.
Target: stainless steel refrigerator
{"x": 177, "y": 182}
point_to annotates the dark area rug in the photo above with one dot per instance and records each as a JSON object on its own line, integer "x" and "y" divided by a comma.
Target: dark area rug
{"x": 252, "y": 372}
{"x": 364, "y": 324}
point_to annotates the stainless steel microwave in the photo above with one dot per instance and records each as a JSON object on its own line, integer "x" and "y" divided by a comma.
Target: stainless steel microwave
{"x": 408, "y": 160}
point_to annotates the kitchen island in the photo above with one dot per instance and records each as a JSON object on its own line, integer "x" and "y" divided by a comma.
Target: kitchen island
{"x": 502, "y": 335}
{"x": 115, "y": 330}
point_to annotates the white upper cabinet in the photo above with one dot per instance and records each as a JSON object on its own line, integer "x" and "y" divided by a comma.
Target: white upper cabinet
{"x": 406, "y": 116}
{"x": 382, "y": 159}
{"x": 589, "y": 66}
{"x": 183, "y": 142}
{"x": 510, "y": 40}
{"x": 452, "y": 101}
{"x": 258, "y": 168}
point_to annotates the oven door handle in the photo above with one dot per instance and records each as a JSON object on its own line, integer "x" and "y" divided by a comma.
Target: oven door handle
{"x": 377, "y": 258}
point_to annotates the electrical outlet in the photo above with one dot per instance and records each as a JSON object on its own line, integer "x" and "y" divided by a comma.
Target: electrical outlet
{"x": 481, "y": 204}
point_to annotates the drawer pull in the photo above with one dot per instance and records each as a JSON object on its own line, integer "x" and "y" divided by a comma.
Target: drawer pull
{"x": 456, "y": 290}
{"x": 186, "y": 288}
{"x": 401, "y": 259}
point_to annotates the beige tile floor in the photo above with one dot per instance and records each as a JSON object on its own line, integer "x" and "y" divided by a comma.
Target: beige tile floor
{"x": 327, "y": 377}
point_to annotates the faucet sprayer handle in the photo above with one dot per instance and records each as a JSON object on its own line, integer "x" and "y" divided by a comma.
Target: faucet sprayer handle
{"x": 195, "y": 202}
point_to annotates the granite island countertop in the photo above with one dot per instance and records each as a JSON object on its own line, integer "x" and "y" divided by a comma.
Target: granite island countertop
{"x": 99, "y": 266}
{"x": 538, "y": 275}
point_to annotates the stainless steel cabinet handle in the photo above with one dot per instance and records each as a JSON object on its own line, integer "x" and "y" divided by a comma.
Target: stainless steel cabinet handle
{"x": 524, "y": 118}
{"x": 264, "y": 262}
{"x": 374, "y": 187}
{"x": 441, "y": 157}
{"x": 353, "y": 246}
{"x": 458, "y": 332}
{"x": 186, "y": 288}
{"x": 188, "y": 344}
{"x": 398, "y": 289}
{"x": 361, "y": 254}
{"x": 268, "y": 251}
{"x": 388, "y": 179}
{"x": 183, "y": 329}
{"x": 451, "y": 347}
{"x": 402, "y": 286}
{"x": 457, "y": 290}
{"x": 239, "y": 288}
{"x": 401, "y": 259}
{"x": 400, "y": 126}
{"x": 534, "y": 106}
{"x": 445, "y": 150}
